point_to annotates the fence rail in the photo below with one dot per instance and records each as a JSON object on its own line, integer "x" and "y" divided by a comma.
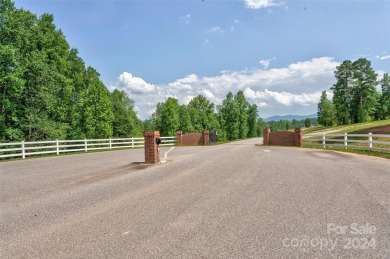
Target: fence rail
{"x": 31, "y": 148}
{"x": 380, "y": 142}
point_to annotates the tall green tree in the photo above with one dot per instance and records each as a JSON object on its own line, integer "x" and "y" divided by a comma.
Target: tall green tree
{"x": 202, "y": 113}
{"x": 307, "y": 123}
{"x": 185, "y": 119}
{"x": 260, "y": 125}
{"x": 354, "y": 93}
{"x": 156, "y": 118}
{"x": 229, "y": 117}
{"x": 243, "y": 106}
{"x": 98, "y": 110}
{"x": 342, "y": 92}
{"x": 11, "y": 86}
{"x": 125, "y": 121}
{"x": 170, "y": 122}
{"x": 385, "y": 97}
{"x": 149, "y": 125}
{"x": 253, "y": 116}
{"x": 46, "y": 90}
{"x": 326, "y": 111}
{"x": 364, "y": 91}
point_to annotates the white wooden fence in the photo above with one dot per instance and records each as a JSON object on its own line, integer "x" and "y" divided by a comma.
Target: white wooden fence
{"x": 30, "y": 148}
{"x": 358, "y": 141}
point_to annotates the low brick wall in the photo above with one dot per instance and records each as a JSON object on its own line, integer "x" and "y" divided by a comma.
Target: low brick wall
{"x": 192, "y": 139}
{"x": 283, "y": 138}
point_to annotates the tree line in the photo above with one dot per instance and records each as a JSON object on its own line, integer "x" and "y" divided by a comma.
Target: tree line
{"x": 46, "y": 90}
{"x": 355, "y": 97}
{"x": 234, "y": 119}
{"x": 288, "y": 125}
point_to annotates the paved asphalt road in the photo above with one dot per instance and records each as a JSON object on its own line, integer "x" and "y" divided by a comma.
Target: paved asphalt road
{"x": 236, "y": 200}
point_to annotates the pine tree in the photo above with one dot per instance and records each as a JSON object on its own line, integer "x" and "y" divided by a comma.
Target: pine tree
{"x": 243, "y": 105}
{"x": 385, "y": 97}
{"x": 342, "y": 92}
{"x": 252, "y": 121}
{"x": 364, "y": 91}
{"x": 326, "y": 111}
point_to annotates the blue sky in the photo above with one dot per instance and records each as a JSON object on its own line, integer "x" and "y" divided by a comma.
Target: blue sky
{"x": 282, "y": 54}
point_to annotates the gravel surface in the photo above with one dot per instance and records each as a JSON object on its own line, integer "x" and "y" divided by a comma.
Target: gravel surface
{"x": 236, "y": 200}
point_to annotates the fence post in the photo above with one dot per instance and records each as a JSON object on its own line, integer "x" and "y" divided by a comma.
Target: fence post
{"x": 23, "y": 151}
{"x": 323, "y": 139}
{"x": 58, "y": 147}
{"x": 370, "y": 140}
{"x": 86, "y": 145}
{"x": 110, "y": 144}
{"x": 345, "y": 140}
{"x": 132, "y": 142}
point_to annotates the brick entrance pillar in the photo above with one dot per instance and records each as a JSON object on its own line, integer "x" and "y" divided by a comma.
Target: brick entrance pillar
{"x": 179, "y": 138}
{"x": 266, "y": 132}
{"x": 298, "y": 137}
{"x": 151, "y": 152}
{"x": 206, "y": 137}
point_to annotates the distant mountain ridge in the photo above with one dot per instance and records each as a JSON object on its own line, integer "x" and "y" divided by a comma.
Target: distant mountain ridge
{"x": 290, "y": 117}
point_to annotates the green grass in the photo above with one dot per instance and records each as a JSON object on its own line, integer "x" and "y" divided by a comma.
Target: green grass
{"x": 375, "y": 127}
{"x": 347, "y": 128}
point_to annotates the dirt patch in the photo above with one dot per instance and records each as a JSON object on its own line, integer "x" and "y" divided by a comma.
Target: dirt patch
{"x": 377, "y": 130}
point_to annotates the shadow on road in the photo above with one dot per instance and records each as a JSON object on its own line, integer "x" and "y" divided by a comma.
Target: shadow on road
{"x": 240, "y": 144}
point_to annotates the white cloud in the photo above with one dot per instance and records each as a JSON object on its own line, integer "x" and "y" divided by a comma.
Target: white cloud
{"x": 207, "y": 93}
{"x": 383, "y": 57}
{"x": 133, "y": 84}
{"x": 258, "y": 4}
{"x": 265, "y": 63}
{"x": 187, "y": 99}
{"x": 180, "y": 86}
{"x": 283, "y": 98}
{"x": 315, "y": 72}
{"x": 151, "y": 111}
{"x": 295, "y": 88}
{"x": 261, "y": 104}
{"x": 381, "y": 73}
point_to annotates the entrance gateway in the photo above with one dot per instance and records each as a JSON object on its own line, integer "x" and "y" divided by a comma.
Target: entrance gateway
{"x": 213, "y": 139}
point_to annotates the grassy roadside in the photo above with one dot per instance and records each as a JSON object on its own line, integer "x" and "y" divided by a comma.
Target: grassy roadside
{"x": 353, "y": 128}
{"x": 375, "y": 127}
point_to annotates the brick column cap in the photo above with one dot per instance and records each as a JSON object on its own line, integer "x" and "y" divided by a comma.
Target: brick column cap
{"x": 151, "y": 133}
